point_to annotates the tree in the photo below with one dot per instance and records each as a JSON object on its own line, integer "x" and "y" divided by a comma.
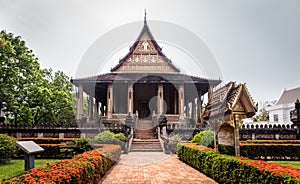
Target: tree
{"x": 19, "y": 72}
{"x": 32, "y": 97}
{"x": 62, "y": 104}
{"x": 262, "y": 116}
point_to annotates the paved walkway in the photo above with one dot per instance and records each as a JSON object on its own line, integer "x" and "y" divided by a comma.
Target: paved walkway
{"x": 153, "y": 167}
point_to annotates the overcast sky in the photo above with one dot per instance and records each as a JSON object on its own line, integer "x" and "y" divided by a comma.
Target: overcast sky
{"x": 255, "y": 42}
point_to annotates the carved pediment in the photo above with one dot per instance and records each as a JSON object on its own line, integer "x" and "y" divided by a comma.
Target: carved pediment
{"x": 238, "y": 107}
{"x": 145, "y": 47}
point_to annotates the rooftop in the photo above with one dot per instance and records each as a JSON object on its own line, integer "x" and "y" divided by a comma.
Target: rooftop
{"x": 289, "y": 96}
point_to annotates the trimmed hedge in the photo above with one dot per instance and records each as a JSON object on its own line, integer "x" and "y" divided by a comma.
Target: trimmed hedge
{"x": 59, "y": 151}
{"x": 271, "y": 142}
{"x": 271, "y": 151}
{"x": 48, "y": 140}
{"x": 58, "y": 147}
{"x": 265, "y": 151}
{"x": 88, "y": 167}
{"x": 229, "y": 169}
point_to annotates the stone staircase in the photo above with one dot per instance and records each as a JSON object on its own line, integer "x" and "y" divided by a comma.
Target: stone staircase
{"x": 145, "y": 145}
{"x": 144, "y": 139}
{"x": 145, "y": 130}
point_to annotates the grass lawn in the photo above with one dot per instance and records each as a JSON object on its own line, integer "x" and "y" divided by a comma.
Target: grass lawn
{"x": 295, "y": 164}
{"x": 16, "y": 167}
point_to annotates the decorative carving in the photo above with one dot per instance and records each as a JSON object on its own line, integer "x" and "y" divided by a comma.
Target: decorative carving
{"x": 149, "y": 58}
{"x": 239, "y": 107}
{"x": 145, "y": 45}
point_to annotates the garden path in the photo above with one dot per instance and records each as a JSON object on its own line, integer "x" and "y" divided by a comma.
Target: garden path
{"x": 153, "y": 167}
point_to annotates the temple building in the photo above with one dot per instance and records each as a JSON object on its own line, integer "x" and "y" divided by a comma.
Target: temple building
{"x": 144, "y": 84}
{"x": 280, "y": 112}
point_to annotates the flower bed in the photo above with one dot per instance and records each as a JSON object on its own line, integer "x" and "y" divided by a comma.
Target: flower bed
{"x": 229, "y": 169}
{"x": 88, "y": 167}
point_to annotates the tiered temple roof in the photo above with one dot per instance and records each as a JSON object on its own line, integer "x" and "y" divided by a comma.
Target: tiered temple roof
{"x": 145, "y": 52}
{"x": 145, "y": 62}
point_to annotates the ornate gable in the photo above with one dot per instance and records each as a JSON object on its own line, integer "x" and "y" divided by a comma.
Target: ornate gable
{"x": 145, "y": 56}
{"x": 230, "y": 98}
{"x": 238, "y": 107}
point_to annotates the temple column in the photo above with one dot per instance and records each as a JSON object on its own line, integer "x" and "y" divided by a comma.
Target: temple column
{"x": 109, "y": 101}
{"x": 90, "y": 108}
{"x": 236, "y": 134}
{"x": 199, "y": 105}
{"x": 175, "y": 102}
{"x": 195, "y": 102}
{"x": 130, "y": 98}
{"x": 102, "y": 109}
{"x": 96, "y": 110}
{"x": 79, "y": 109}
{"x": 181, "y": 100}
{"x": 160, "y": 94}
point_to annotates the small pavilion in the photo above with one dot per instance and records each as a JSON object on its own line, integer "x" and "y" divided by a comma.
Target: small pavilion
{"x": 145, "y": 84}
{"x": 226, "y": 109}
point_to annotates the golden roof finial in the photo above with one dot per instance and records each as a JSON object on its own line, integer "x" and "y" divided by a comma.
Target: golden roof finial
{"x": 145, "y": 17}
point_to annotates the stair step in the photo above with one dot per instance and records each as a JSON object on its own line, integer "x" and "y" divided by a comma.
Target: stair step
{"x": 145, "y": 130}
{"x": 145, "y": 124}
{"x": 146, "y": 150}
{"x": 146, "y": 141}
{"x": 146, "y": 145}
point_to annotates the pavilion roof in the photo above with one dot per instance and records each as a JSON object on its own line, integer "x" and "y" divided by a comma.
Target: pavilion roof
{"x": 224, "y": 100}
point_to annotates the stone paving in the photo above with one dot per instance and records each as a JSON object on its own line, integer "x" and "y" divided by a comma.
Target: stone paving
{"x": 153, "y": 167}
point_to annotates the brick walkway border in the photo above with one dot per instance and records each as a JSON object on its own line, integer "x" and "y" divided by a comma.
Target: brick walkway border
{"x": 153, "y": 167}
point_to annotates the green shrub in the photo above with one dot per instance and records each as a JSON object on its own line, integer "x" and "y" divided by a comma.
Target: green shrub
{"x": 76, "y": 146}
{"x": 7, "y": 147}
{"x": 204, "y": 138}
{"x": 108, "y": 137}
{"x": 120, "y": 136}
{"x": 173, "y": 143}
{"x": 229, "y": 169}
{"x": 227, "y": 150}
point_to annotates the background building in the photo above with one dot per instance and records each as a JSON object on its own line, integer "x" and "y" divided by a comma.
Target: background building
{"x": 280, "y": 112}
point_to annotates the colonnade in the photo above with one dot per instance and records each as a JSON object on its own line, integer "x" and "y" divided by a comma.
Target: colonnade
{"x": 186, "y": 104}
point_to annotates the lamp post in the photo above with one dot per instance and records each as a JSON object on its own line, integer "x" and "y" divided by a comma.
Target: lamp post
{"x": 295, "y": 117}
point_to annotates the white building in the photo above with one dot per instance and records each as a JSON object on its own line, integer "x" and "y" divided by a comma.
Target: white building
{"x": 280, "y": 112}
